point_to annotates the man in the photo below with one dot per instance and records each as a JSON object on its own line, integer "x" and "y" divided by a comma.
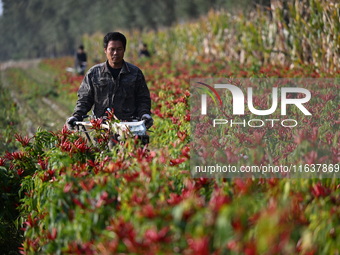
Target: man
{"x": 114, "y": 84}
{"x": 81, "y": 60}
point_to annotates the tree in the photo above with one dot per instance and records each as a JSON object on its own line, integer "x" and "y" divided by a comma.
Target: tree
{"x": 37, "y": 28}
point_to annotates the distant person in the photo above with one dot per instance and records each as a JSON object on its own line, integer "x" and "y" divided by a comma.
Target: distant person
{"x": 113, "y": 84}
{"x": 144, "y": 52}
{"x": 81, "y": 60}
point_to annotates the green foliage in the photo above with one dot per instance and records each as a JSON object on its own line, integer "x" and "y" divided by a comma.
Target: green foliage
{"x": 10, "y": 235}
{"x": 9, "y": 122}
{"x": 25, "y": 36}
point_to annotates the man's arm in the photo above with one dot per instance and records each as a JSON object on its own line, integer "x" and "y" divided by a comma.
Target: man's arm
{"x": 143, "y": 100}
{"x": 85, "y": 98}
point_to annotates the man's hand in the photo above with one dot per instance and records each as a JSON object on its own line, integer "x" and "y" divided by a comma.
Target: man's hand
{"x": 71, "y": 122}
{"x": 148, "y": 120}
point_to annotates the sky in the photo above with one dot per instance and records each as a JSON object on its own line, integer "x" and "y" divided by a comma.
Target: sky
{"x": 0, "y": 7}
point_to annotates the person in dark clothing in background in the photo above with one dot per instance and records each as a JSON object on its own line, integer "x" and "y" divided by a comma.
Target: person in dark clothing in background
{"x": 144, "y": 52}
{"x": 81, "y": 60}
{"x": 114, "y": 84}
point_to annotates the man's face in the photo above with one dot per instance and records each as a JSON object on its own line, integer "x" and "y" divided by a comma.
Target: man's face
{"x": 115, "y": 53}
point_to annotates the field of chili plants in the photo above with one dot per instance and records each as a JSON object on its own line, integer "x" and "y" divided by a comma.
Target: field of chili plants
{"x": 79, "y": 199}
{"x": 61, "y": 195}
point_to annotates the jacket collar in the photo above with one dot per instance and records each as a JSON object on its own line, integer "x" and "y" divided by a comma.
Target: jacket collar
{"x": 125, "y": 68}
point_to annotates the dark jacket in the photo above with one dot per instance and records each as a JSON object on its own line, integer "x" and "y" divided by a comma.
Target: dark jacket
{"x": 128, "y": 95}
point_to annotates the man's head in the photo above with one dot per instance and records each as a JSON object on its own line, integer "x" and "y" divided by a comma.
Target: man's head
{"x": 114, "y": 36}
{"x": 114, "y": 48}
{"x": 80, "y": 49}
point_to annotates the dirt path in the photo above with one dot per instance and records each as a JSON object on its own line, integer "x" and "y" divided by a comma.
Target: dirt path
{"x": 24, "y": 64}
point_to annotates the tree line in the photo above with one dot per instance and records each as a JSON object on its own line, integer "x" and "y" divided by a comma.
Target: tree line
{"x": 38, "y": 29}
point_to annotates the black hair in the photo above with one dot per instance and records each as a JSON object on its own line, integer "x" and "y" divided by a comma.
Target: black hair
{"x": 81, "y": 47}
{"x": 114, "y": 36}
